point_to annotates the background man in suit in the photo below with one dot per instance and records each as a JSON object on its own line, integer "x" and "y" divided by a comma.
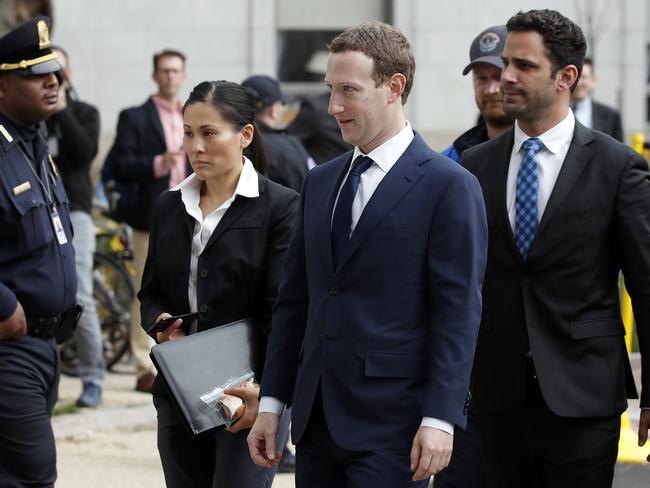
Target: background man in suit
{"x": 374, "y": 329}
{"x": 567, "y": 209}
{"x": 590, "y": 113}
{"x": 147, "y": 151}
{"x": 466, "y": 467}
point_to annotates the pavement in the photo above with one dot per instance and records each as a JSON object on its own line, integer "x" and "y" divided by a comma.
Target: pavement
{"x": 115, "y": 444}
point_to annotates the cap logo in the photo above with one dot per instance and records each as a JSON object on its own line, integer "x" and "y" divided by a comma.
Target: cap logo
{"x": 488, "y": 42}
{"x": 43, "y": 35}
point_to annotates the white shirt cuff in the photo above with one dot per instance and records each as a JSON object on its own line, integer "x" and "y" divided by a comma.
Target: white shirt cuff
{"x": 442, "y": 425}
{"x": 271, "y": 405}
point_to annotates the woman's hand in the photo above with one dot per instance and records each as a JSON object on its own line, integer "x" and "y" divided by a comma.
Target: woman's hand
{"x": 172, "y": 332}
{"x": 249, "y": 392}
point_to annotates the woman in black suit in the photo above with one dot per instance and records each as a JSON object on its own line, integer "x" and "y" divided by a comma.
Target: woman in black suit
{"x": 216, "y": 247}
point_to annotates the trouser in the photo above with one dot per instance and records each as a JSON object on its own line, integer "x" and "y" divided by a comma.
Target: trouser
{"x": 88, "y": 334}
{"x": 321, "y": 463}
{"x": 466, "y": 467}
{"x": 216, "y": 459}
{"x": 537, "y": 449}
{"x": 29, "y": 378}
{"x": 141, "y": 343}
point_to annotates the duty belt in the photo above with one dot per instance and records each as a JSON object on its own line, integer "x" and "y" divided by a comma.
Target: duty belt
{"x": 43, "y": 327}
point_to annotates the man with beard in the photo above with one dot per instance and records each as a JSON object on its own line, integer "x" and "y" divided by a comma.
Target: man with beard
{"x": 568, "y": 209}
{"x": 485, "y": 65}
{"x": 466, "y": 468}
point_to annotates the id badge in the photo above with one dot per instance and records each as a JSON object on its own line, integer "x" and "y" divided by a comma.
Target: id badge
{"x": 58, "y": 227}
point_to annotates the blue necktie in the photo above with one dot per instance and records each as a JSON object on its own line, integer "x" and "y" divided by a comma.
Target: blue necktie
{"x": 342, "y": 220}
{"x": 526, "y": 197}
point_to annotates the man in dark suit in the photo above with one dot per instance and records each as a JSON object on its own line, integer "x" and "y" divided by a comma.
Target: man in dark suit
{"x": 147, "y": 152}
{"x": 374, "y": 330}
{"x": 567, "y": 209}
{"x": 591, "y": 113}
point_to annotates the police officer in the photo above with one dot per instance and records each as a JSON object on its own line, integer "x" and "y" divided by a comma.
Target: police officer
{"x": 37, "y": 265}
{"x": 286, "y": 157}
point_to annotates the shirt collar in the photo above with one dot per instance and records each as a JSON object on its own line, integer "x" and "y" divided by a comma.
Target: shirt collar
{"x": 386, "y": 155}
{"x": 162, "y": 104}
{"x": 190, "y": 187}
{"x": 554, "y": 138}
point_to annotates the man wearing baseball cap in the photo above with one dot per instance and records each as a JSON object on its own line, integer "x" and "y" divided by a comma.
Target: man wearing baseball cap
{"x": 466, "y": 469}
{"x": 287, "y": 159}
{"x": 485, "y": 65}
{"x": 37, "y": 264}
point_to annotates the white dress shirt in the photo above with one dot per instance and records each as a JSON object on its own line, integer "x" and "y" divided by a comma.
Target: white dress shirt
{"x": 549, "y": 163}
{"x": 384, "y": 158}
{"x": 584, "y": 112}
{"x": 190, "y": 188}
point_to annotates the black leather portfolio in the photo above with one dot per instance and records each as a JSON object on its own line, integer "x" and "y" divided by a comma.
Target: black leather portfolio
{"x": 194, "y": 365}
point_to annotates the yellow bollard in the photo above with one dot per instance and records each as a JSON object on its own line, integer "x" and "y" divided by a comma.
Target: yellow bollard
{"x": 628, "y": 447}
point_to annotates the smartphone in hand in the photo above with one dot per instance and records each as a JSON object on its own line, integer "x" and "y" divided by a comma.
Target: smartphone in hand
{"x": 162, "y": 324}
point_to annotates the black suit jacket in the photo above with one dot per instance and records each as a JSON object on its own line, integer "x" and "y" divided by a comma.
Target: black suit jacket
{"x": 318, "y": 130}
{"x": 239, "y": 268}
{"x": 607, "y": 120}
{"x": 238, "y": 271}
{"x": 563, "y": 301}
{"x": 286, "y": 157}
{"x": 139, "y": 139}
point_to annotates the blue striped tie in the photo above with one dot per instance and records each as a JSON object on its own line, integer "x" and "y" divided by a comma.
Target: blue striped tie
{"x": 342, "y": 220}
{"x": 526, "y": 197}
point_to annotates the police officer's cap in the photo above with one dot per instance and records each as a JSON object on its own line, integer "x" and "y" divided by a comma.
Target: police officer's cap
{"x": 27, "y": 49}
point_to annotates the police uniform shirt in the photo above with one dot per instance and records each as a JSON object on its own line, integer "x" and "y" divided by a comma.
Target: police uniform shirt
{"x": 35, "y": 268}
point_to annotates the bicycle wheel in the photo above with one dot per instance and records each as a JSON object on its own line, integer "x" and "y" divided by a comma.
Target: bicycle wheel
{"x": 113, "y": 291}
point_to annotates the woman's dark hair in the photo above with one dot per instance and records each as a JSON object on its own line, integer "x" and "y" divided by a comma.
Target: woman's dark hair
{"x": 236, "y": 106}
{"x": 565, "y": 43}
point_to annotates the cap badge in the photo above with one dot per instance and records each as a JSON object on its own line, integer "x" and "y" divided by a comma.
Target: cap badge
{"x": 488, "y": 42}
{"x": 43, "y": 35}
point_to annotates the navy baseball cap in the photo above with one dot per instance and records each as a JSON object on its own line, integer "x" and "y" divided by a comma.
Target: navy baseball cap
{"x": 265, "y": 90}
{"x": 487, "y": 48}
{"x": 28, "y": 49}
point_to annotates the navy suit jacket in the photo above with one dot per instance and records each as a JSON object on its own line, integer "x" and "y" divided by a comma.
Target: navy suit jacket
{"x": 390, "y": 334}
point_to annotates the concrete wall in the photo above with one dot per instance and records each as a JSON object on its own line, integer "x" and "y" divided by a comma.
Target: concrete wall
{"x": 111, "y": 44}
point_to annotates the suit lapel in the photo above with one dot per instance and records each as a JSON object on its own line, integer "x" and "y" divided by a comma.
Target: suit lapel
{"x": 498, "y": 171}
{"x": 395, "y": 184}
{"x": 234, "y": 212}
{"x": 154, "y": 118}
{"x": 579, "y": 154}
{"x": 325, "y": 218}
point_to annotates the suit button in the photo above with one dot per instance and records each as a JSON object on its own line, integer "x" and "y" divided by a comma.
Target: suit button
{"x": 204, "y": 308}
{"x": 203, "y": 273}
{"x": 526, "y": 280}
{"x": 333, "y": 291}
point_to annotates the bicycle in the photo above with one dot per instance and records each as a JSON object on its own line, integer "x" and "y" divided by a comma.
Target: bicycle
{"x": 113, "y": 290}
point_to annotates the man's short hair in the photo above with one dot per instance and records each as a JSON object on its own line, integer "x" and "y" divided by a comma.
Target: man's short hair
{"x": 385, "y": 45}
{"x": 167, "y": 53}
{"x": 565, "y": 43}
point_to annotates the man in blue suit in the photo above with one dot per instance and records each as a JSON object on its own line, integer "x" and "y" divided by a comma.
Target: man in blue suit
{"x": 374, "y": 330}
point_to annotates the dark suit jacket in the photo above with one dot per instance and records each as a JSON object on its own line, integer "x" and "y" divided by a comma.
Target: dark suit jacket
{"x": 286, "y": 157}
{"x": 390, "y": 334}
{"x": 563, "y": 300}
{"x": 318, "y": 130}
{"x": 607, "y": 120}
{"x": 238, "y": 271}
{"x": 139, "y": 139}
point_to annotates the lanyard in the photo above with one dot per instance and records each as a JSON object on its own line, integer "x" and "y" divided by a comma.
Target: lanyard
{"x": 45, "y": 186}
